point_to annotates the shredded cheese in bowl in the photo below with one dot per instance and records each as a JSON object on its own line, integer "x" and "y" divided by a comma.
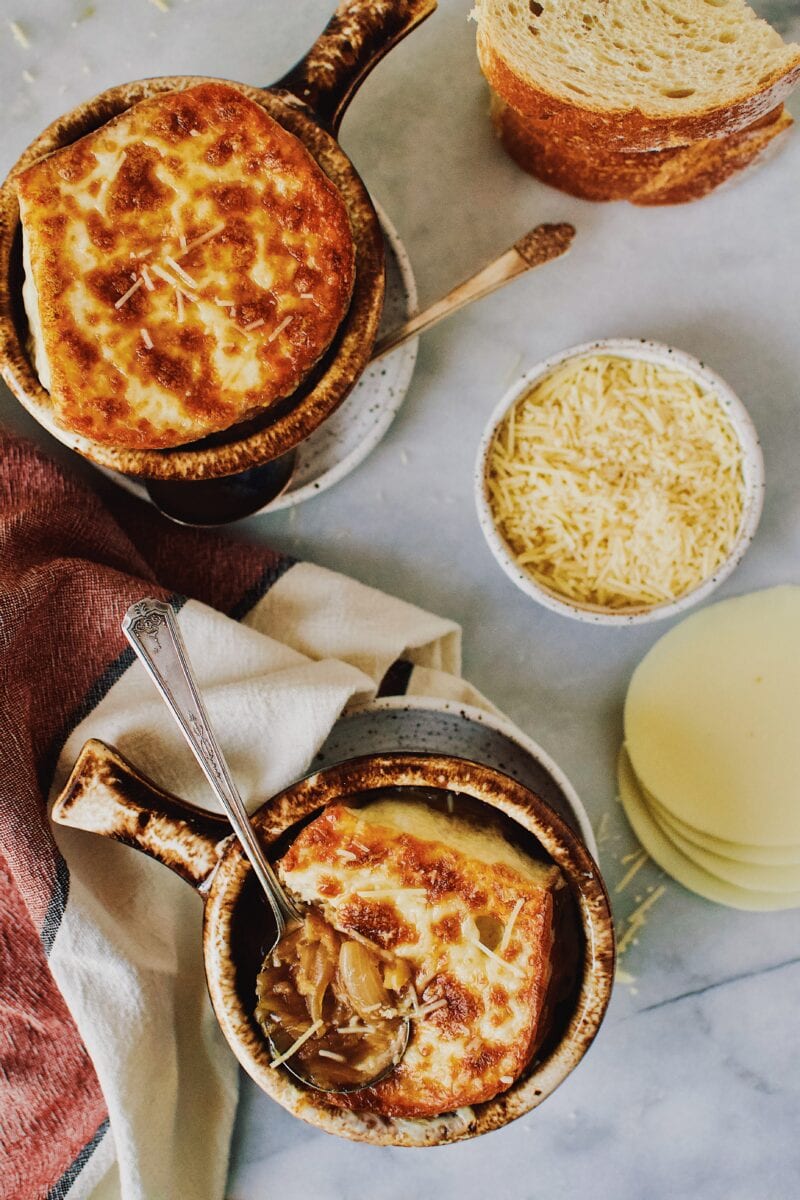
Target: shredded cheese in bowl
{"x": 618, "y": 482}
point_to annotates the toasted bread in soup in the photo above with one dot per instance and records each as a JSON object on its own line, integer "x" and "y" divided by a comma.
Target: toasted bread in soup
{"x": 186, "y": 265}
{"x": 473, "y": 918}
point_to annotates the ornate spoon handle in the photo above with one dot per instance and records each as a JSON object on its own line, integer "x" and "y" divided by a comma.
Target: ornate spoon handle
{"x": 152, "y": 630}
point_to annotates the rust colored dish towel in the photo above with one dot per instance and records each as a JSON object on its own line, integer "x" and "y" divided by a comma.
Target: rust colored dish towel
{"x": 114, "y": 1077}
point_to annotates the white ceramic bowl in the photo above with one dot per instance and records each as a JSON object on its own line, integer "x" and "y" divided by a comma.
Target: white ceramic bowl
{"x": 752, "y": 465}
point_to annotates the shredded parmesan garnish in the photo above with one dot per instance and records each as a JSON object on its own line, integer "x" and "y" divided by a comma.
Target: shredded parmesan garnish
{"x": 506, "y": 1079}
{"x": 225, "y": 303}
{"x": 146, "y": 280}
{"x": 182, "y": 238}
{"x": 124, "y": 299}
{"x": 279, "y": 329}
{"x": 253, "y": 325}
{"x": 425, "y": 1009}
{"x": 179, "y": 271}
{"x": 509, "y": 929}
{"x": 638, "y": 863}
{"x": 346, "y": 855}
{"x": 503, "y": 962}
{"x": 295, "y": 1046}
{"x": 19, "y": 35}
{"x": 306, "y": 295}
{"x": 331, "y": 1054}
{"x": 180, "y": 304}
{"x": 148, "y": 341}
{"x": 158, "y": 270}
{"x": 638, "y": 918}
{"x": 617, "y": 482}
{"x": 204, "y": 237}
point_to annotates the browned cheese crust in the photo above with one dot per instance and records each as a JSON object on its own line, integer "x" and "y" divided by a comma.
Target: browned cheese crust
{"x": 238, "y": 248}
{"x": 674, "y": 176}
{"x": 420, "y": 899}
{"x": 628, "y": 129}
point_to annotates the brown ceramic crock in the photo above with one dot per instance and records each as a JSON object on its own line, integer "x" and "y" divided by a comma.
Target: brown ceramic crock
{"x": 106, "y": 795}
{"x": 310, "y": 102}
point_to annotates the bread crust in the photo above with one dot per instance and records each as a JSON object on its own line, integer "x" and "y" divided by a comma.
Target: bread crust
{"x": 673, "y": 176}
{"x": 629, "y": 129}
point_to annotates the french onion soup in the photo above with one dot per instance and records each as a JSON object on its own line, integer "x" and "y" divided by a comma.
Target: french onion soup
{"x": 414, "y": 914}
{"x": 186, "y": 266}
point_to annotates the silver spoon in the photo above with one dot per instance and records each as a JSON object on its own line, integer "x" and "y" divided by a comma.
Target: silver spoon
{"x": 152, "y": 630}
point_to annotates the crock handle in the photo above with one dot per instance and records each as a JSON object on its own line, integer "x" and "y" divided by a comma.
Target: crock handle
{"x": 357, "y": 37}
{"x": 106, "y": 794}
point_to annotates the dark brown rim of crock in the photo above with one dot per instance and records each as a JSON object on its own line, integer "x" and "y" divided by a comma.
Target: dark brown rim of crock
{"x": 285, "y": 424}
{"x": 415, "y": 770}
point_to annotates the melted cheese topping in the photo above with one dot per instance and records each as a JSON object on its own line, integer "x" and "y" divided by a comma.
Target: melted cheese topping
{"x": 187, "y": 265}
{"x": 617, "y": 482}
{"x": 433, "y": 889}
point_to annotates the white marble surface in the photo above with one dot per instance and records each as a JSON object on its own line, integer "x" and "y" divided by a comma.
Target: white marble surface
{"x": 691, "y": 1089}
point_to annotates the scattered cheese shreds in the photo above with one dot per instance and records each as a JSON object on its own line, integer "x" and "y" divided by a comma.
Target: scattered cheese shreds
{"x": 179, "y": 271}
{"x": 637, "y": 865}
{"x": 19, "y": 35}
{"x": 295, "y": 1046}
{"x": 503, "y": 962}
{"x": 617, "y": 482}
{"x": 204, "y": 237}
{"x": 637, "y": 919}
{"x": 279, "y": 329}
{"x": 148, "y": 341}
{"x": 124, "y": 299}
{"x": 509, "y": 929}
{"x": 146, "y": 280}
{"x": 434, "y": 1006}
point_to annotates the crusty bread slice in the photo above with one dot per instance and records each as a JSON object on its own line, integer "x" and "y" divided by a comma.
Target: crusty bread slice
{"x": 673, "y": 176}
{"x": 642, "y": 76}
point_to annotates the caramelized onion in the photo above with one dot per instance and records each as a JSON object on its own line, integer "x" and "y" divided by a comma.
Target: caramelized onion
{"x": 361, "y": 979}
{"x": 332, "y": 1005}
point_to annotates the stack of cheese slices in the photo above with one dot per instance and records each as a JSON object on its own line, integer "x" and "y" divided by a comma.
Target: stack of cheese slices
{"x": 656, "y": 102}
{"x": 709, "y": 775}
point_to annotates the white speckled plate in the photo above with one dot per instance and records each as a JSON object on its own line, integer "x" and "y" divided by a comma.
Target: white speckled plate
{"x": 428, "y": 724}
{"x": 346, "y": 438}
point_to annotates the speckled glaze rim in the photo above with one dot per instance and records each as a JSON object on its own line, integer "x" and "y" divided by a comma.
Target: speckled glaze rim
{"x": 481, "y": 716}
{"x": 340, "y": 373}
{"x": 428, "y": 770}
{"x": 752, "y": 468}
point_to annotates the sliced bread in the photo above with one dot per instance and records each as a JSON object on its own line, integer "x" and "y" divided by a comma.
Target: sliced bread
{"x": 673, "y": 176}
{"x": 644, "y": 76}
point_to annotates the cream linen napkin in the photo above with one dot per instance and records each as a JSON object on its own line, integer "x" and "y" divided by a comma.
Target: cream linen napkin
{"x": 127, "y": 954}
